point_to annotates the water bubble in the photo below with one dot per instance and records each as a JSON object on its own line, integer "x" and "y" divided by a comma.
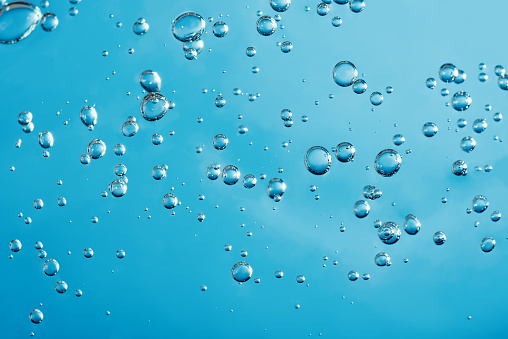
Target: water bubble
{"x": 286, "y": 114}
{"x": 398, "y": 139}
{"x": 467, "y": 144}
{"x": 213, "y": 171}
{"x": 24, "y": 118}
{"x": 495, "y": 216}
{"x": 480, "y": 204}
{"x": 220, "y": 102}
{"x": 188, "y": 26}
{"x": 439, "y": 238}
{"x": 318, "y": 160}
{"x": 230, "y": 175}
{"x": 372, "y": 192}
{"x": 36, "y": 316}
{"x": 249, "y": 181}
{"x": 344, "y": 73}
{"x": 322, "y": 9}
{"x": 389, "y": 233}
{"x": 38, "y": 203}
{"x": 220, "y": 29}
{"x": 150, "y": 81}
{"x": 49, "y": 22}
{"x": 276, "y": 188}
{"x": 51, "y": 267}
{"x": 279, "y": 274}
{"x": 499, "y": 70}
{"x": 130, "y": 128}
{"x": 170, "y": 201}
{"x": 250, "y": 51}
{"x": 61, "y": 286}
{"x": 444, "y": 92}
{"x": 120, "y": 254}
{"x": 479, "y": 125}
{"x": 15, "y": 245}
{"x": 119, "y": 149}
{"x": 118, "y": 188}
{"x": 353, "y": 275}
{"x": 220, "y": 141}
{"x": 361, "y": 209}
{"x": 201, "y": 217}
{"x": 120, "y": 170}
{"x": 203, "y": 288}
{"x": 62, "y": 201}
{"x": 88, "y": 252}
{"x": 46, "y": 139}
{"x": 482, "y": 77}
{"x": 157, "y": 139}
{"x": 286, "y": 47}
{"x": 42, "y": 254}
{"x": 191, "y": 54}
{"x": 78, "y": 293}
{"x": 431, "y": 83}
{"x": 266, "y": 25}
{"x": 17, "y": 20}
{"x": 359, "y": 86}
{"x": 461, "y": 101}
{"x": 140, "y": 27}
{"x": 356, "y": 6}
{"x": 154, "y": 106}
{"x": 448, "y": 72}
{"x": 461, "y": 77}
{"x": 502, "y": 82}
{"x": 382, "y": 259}
{"x": 228, "y": 247}
{"x": 345, "y": 152}
{"x": 429, "y": 129}
{"x": 388, "y": 162}
{"x": 38, "y": 245}
{"x": 96, "y": 149}
{"x": 411, "y": 224}
{"x": 376, "y": 98}
{"x": 336, "y": 21}
{"x": 241, "y": 271}
{"x": 280, "y": 5}
{"x": 244, "y": 253}
{"x": 488, "y": 244}
{"x": 73, "y": 11}
{"x": 88, "y": 116}
{"x": 196, "y": 45}
{"x": 300, "y": 279}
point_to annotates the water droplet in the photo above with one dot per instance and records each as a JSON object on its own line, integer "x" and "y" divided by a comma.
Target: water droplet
{"x": 220, "y": 29}
{"x": 196, "y": 45}
{"x": 461, "y": 77}
{"x": 480, "y": 204}
{"x": 62, "y": 201}
{"x": 188, "y": 26}
{"x": 372, "y": 192}
{"x": 46, "y": 139}
{"x": 213, "y": 171}
{"x": 249, "y": 181}
{"x": 376, "y": 98}
{"x": 96, "y": 149}
{"x": 336, "y": 21}
{"x": 479, "y": 125}
{"x": 322, "y": 9}
{"x": 318, "y": 160}
{"x": 280, "y": 5}
{"x": 241, "y": 271}
{"x": 353, "y": 275}
{"x": 356, "y": 6}
{"x": 286, "y": 47}
{"x": 130, "y": 128}
{"x": 24, "y": 118}
{"x": 276, "y": 188}
{"x": 88, "y": 116}
{"x": 150, "y": 81}
{"x": 49, "y": 22}
{"x": 488, "y": 244}
{"x": 502, "y": 82}
{"x": 388, "y": 162}
{"x": 140, "y": 27}
{"x": 120, "y": 254}
{"x": 220, "y": 102}
{"x": 382, "y": 259}
{"x": 73, "y": 11}
{"x": 300, "y": 279}
{"x": 398, "y": 139}
{"x": 467, "y": 144}
{"x": 51, "y": 267}
{"x": 170, "y": 201}
{"x": 266, "y": 25}
{"x": 17, "y": 20}
{"x": 429, "y": 129}
{"x": 279, "y": 274}
{"x": 431, "y": 83}
{"x": 220, "y": 141}
{"x": 78, "y": 293}
{"x": 61, "y": 286}
{"x": 250, "y": 51}
{"x": 15, "y": 245}
{"x": 36, "y": 316}
{"x": 118, "y": 188}
{"x": 344, "y": 73}
{"x": 361, "y": 209}
{"x": 482, "y": 77}
{"x": 495, "y": 216}
{"x": 461, "y": 101}
{"x": 389, "y": 233}
{"x": 359, "y": 86}
{"x": 230, "y": 175}
{"x": 439, "y": 238}
{"x": 448, "y": 72}
{"x": 88, "y": 252}
{"x": 154, "y": 106}
{"x": 411, "y": 224}
{"x": 119, "y": 149}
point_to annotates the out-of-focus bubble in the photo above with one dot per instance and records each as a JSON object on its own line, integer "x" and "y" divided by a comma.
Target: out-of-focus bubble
{"x": 398, "y": 139}
{"x": 344, "y": 73}
{"x": 78, "y": 293}
{"x": 444, "y": 92}
{"x": 188, "y": 27}
{"x": 280, "y": 5}
{"x": 25, "y": 117}
{"x": 170, "y": 201}
{"x": 266, "y": 25}
{"x": 140, "y": 27}
{"x": 336, "y": 21}
{"x": 461, "y": 77}
{"x": 461, "y": 101}
{"x": 119, "y": 149}
{"x": 389, "y": 233}
{"x": 38, "y": 204}
{"x": 249, "y": 181}
{"x": 286, "y": 114}
{"x": 51, "y": 267}
{"x": 479, "y": 125}
{"x": 36, "y": 316}
{"x": 359, "y": 86}
{"x": 429, "y": 129}
{"x": 118, "y": 188}
{"x": 356, "y": 6}
{"x": 230, "y": 175}
{"x": 191, "y": 54}
{"x": 488, "y": 244}
{"x": 73, "y": 11}
{"x": 213, "y": 171}
{"x": 61, "y": 286}
{"x": 495, "y": 216}
{"x": 439, "y": 238}
{"x": 480, "y": 204}
{"x": 130, "y": 128}
{"x": 461, "y": 123}
{"x": 382, "y": 259}
{"x": 220, "y": 29}
{"x": 88, "y": 253}
{"x": 279, "y": 274}
{"x": 120, "y": 170}
{"x": 322, "y": 9}
{"x": 411, "y": 224}
{"x": 482, "y": 77}
{"x": 120, "y": 254}
{"x": 17, "y": 20}
{"x": 361, "y": 209}
{"x": 150, "y": 81}
{"x": 376, "y": 98}
{"x": 372, "y": 192}
{"x": 345, "y": 152}
{"x": 96, "y": 149}
{"x": 241, "y": 271}
{"x": 286, "y": 47}
{"x": 15, "y": 245}
{"x": 431, "y": 83}
{"x": 154, "y": 106}
{"x": 157, "y": 139}
{"x": 467, "y": 144}
{"x": 46, "y": 139}
{"x": 220, "y": 102}
{"x": 49, "y": 22}
{"x": 276, "y": 188}
{"x": 353, "y": 275}
{"x": 62, "y": 201}
{"x": 318, "y": 160}
{"x": 341, "y": 2}
{"x": 499, "y": 70}
{"x": 250, "y": 51}
{"x": 196, "y": 45}
{"x": 497, "y": 117}
{"x": 502, "y": 82}
{"x": 388, "y": 162}
{"x": 85, "y": 159}
{"x": 220, "y": 141}
{"x": 448, "y": 72}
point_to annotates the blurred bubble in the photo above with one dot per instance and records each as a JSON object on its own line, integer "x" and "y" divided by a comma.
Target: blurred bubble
{"x": 336, "y": 21}
{"x": 46, "y": 139}
{"x": 250, "y": 51}
{"x": 78, "y": 293}
{"x": 322, "y": 9}
{"x": 388, "y": 162}
{"x": 502, "y": 82}
{"x": 36, "y": 316}
{"x": 196, "y": 45}
{"x": 398, "y": 139}
{"x": 479, "y": 125}
{"x": 353, "y": 275}
{"x": 38, "y": 204}
{"x": 120, "y": 254}
{"x": 482, "y": 77}
{"x": 279, "y": 274}
{"x": 499, "y": 70}
{"x": 88, "y": 116}
{"x": 461, "y": 123}
{"x": 25, "y": 117}
{"x": 280, "y": 5}
{"x": 88, "y": 253}
{"x": 241, "y": 271}
{"x": 439, "y": 238}
{"x": 356, "y": 6}
{"x": 300, "y": 279}
{"x": 344, "y": 73}
{"x": 188, "y": 27}
{"x": 372, "y": 192}
{"x": 249, "y": 181}
{"x": 213, "y": 171}
{"x": 157, "y": 139}
{"x": 431, "y": 83}
{"x": 118, "y": 188}
{"x": 158, "y": 172}
{"x": 359, "y": 86}
{"x": 276, "y": 188}
{"x": 286, "y": 47}
{"x": 220, "y": 141}
{"x": 220, "y": 102}
{"x": 61, "y": 286}
{"x": 376, "y": 98}
{"x": 15, "y": 245}
{"x": 318, "y": 160}
{"x": 129, "y": 128}
{"x": 429, "y": 129}
{"x": 62, "y": 201}
{"x": 461, "y": 77}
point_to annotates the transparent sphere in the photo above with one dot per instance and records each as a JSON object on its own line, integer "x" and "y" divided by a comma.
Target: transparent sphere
{"x": 46, "y": 139}
{"x": 51, "y": 267}
{"x": 318, "y": 160}
{"x": 389, "y": 233}
{"x": 488, "y": 244}
{"x": 361, "y": 209}
{"x": 15, "y": 245}
{"x": 230, "y": 175}
{"x": 213, "y": 171}
{"x": 467, "y": 144}
{"x": 382, "y": 259}
{"x": 439, "y": 238}
{"x": 266, "y": 25}
{"x": 49, "y": 21}
{"x": 188, "y": 27}
{"x": 220, "y": 141}
{"x": 154, "y": 106}
{"x": 220, "y": 29}
{"x": 359, "y": 86}
{"x": 140, "y": 27}
{"x": 241, "y": 271}
{"x": 280, "y": 5}
{"x": 96, "y": 149}
{"x": 61, "y": 286}
{"x": 118, "y": 188}
{"x": 249, "y": 181}
{"x": 429, "y": 129}
{"x": 480, "y": 204}
{"x": 276, "y": 188}
{"x": 344, "y": 73}
{"x": 411, "y": 224}
{"x": 388, "y": 162}
{"x": 448, "y": 72}
{"x": 353, "y": 275}
{"x": 36, "y": 316}
{"x": 345, "y": 152}
{"x": 170, "y": 201}
{"x": 461, "y": 101}
{"x": 150, "y": 81}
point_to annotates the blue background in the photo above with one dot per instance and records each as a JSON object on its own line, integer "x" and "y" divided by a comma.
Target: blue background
{"x": 155, "y": 290}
